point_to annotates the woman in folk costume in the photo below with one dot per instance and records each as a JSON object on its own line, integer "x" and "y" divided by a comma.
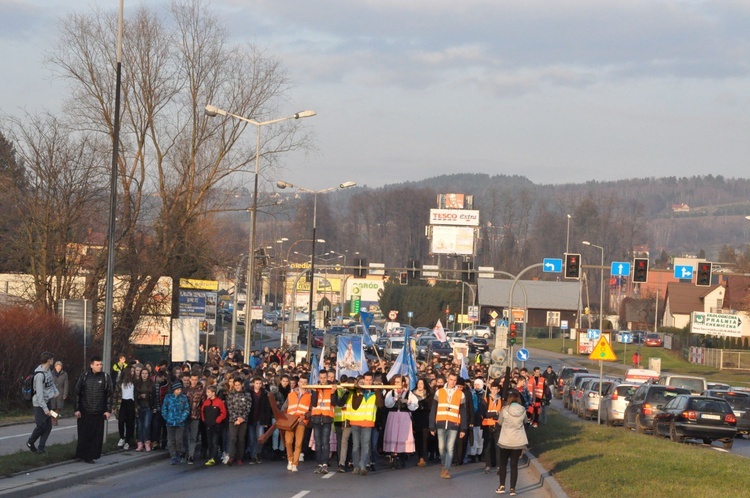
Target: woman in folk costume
{"x": 399, "y": 436}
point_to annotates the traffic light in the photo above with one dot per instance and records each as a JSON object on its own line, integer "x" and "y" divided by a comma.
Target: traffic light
{"x": 640, "y": 270}
{"x": 361, "y": 268}
{"x": 414, "y": 266}
{"x": 309, "y": 277}
{"x": 703, "y": 277}
{"x": 403, "y": 278}
{"x": 572, "y": 266}
{"x": 467, "y": 272}
{"x": 512, "y": 334}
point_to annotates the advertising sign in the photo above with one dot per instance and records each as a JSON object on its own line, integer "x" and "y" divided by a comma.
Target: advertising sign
{"x": 367, "y": 290}
{"x": 715, "y": 324}
{"x": 452, "y": 240}
{"x": 461, "y": 217}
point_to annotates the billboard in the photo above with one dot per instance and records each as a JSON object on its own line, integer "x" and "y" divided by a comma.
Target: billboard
{"x": 366, "y": 289}
{"x": 462, "y": 217}
{"x": 719, "y": 324}
{"x": 452, "y": 240}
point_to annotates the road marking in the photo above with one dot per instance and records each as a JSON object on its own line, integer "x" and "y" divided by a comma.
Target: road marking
{"x": 29, "y": 434}
{"x": 329, "y": 475}
{"x": 300, "y": 494}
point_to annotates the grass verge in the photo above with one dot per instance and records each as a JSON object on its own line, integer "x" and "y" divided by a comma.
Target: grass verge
{"x": 23, "y": 461}
{"x": 594, "y": 462}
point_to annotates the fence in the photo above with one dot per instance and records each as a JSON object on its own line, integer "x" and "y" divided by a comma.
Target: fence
{"x": 723, "y": 359}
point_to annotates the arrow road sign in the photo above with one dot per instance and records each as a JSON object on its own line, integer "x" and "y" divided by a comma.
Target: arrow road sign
{"x": 522, "y": 354}
{"x": 552, "y": 265}
{"x": 620, "y": 269}
{"x": 683, "y": 272}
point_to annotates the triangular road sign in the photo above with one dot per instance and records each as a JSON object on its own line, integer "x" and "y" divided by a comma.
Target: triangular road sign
{"x": 603, "y": 351}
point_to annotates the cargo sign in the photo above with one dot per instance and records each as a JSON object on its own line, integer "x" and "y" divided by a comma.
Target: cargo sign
{"x": 455, "y": 217}
{"x": 715, "y": 324}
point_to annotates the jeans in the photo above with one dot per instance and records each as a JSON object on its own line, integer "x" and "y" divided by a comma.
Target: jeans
{"x": 322, "y": 442}
{"x": 42, "y": 429}
{"x": 193, "y": 433}
{"x": 361, "y": 440}
{"x": 157, "y": 429}
{"x": 212, "y": 435}
{"x": 374, "y": 444}
{"x": 174, "y": 441}
{"x": 254, "y": 431}
{"x": 144, "y": 424}
{"x": 446, "y": 441}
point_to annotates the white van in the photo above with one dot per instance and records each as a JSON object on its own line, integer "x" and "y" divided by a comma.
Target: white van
{"x": 641, "y": 375}
{"x": 696, "y": 385}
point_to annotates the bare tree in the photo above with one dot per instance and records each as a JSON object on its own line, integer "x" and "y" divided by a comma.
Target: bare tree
{"x": 173, "y": 158}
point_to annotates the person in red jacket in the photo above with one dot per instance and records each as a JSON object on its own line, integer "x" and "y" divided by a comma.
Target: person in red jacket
{"x": 213, "y": 414}
{"x": 535, "y": 387}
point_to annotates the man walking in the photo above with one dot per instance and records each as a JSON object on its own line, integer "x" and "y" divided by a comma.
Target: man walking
{"x": 361, "y": 408}
{"x": 93, "y": 406}
{"x": 44, "y": 392}
{"x": 448, "y": 419}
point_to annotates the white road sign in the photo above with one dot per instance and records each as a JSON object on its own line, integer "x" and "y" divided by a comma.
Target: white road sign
{"x": 716, "y": 324}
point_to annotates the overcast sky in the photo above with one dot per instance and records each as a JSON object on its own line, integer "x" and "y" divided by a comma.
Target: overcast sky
{"x": 557, "y": 91}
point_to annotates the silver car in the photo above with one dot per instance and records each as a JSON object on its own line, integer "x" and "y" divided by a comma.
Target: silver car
{"x": 614, "y": 403}
{"x": 589, "y": 404}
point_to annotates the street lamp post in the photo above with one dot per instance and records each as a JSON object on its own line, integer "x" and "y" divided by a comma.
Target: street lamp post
{"x": 601, "y": 313}
{"x": 567, "y": 236}
{"x": 215, "y": 111}
{"x": 282, "y": 185}
{"x": 293, "y": 311}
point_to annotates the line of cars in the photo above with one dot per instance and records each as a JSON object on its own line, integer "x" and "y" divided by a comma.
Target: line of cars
{"x": 674, "y": 406}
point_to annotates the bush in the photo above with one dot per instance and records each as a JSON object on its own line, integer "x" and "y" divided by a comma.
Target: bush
{"x": 25, "y": 333}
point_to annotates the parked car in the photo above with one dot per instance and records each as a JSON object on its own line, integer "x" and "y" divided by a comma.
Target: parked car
{"x": 645, "y": 403}
{"x": 739, "y": 401}
{"x": 696, "y": 385}
{"x": 441, "y": 350}
{"x": 394, "y": 347}
{"x": 571, "y": 386}
{"x": 743, "y": 423}
{"x": 697, "y": 417}
{"x": 717, "y": 386}
{"x": 380, "y": 346}
{"x": 420, "y": 331}
{"x": 615, "y": 401}
{"x": 478, "y": 330}
{"x": 478, "y": 345}
{"x": 565, "y": 374}
{"x": 653, "y": 340}
{"x": 589, "y": 404}
{"x": 577, "y": 395}
{"x": 423, "y": 344}
{"x": 318, "y": 338}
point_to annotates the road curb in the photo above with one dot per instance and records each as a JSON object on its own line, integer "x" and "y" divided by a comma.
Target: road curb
{"x": 548, "y": 483}
{"x": 66, "y": 474}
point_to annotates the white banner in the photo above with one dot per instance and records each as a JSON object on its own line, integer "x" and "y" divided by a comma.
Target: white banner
{"x": 715, "y": 324}
{"x": 455, "y": 217}
{"x": 185, "y": 339}
{"x": 366, "y": 289}
{"x": 452, "y": 240}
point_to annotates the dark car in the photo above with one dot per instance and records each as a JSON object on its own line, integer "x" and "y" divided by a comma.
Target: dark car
{"x": 478, "y": 345}
{"x": 565, "y": 374}
{"x": 646, "y": 402}
{"x": 572, "y": 385}
{"x": 697, "y": 417}
{"x": 440, "y": 350}
{"x": 380, "y": 346}
{"x": 743, "y": 423}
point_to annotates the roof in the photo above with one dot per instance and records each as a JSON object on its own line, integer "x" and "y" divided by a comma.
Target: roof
{"x": 738, "y": 292}
{"x": 684, "y": 298}
{"x": 541, "y": 295}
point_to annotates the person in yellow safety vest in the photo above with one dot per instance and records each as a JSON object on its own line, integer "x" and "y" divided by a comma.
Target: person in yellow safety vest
{"x": 321, "y": 418}
{"x": 535, "y": 386}
{"x": 491, "y": 428}
{"x": 298, "y": 403}
{"x": 449, "y": 420}
{"x": 361, "y": 409}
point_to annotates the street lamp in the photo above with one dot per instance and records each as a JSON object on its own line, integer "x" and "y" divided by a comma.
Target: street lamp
{"x": 567, "y": 237}
{"x": 283, "y": 302}
{"x": 282, "y": 185}
{"x": 215, "y": 111}
{"x": 601, "y": 282}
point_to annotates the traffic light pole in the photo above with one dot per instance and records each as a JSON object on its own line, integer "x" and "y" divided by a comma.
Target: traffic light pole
{"x": 510, "y": 305}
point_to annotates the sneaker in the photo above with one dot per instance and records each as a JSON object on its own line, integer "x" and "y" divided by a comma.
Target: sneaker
{"x": 325, "y": 469}
{"x": 294, "y": 468}
{"x": 363, "y": 472}
{"x": 341, "y": 469}
{"x": 88, "y": 461}
{"x": 40, "y": 450}
{"x": 355, "y": 471}
{"x": 251, "y": 461}
{"x": 126, "y": 446}
{"x": 371, "y": 467}
{"x": 500, "y": 490}
{"x": 289, "y": 466}
{"x": 210, "y": 463}
{"x": 225, "y": 458}
{"x": 174, "y": 461}
{"x": 191, "y": 460}
{"x": 421, "y": 463}
{"x": 512, "y": 492}
{"x": 121, "y": 443}
{"x": 301, "y": 457}
{"x": 535, "y": 426}
{"x": 183, "y": 459}
{"x": 258, "y": 459}
{"x": 319, "y": 470}
{"x": 31, "y": 446}
{"x": 238, "y": 462}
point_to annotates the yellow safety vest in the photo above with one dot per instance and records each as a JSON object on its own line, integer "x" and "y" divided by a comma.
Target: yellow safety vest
{"x": 364, "y": 416}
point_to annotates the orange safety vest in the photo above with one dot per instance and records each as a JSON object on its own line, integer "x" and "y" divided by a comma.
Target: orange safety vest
{"x": 536, "y": 387}
{"x": 298, "y": 405}
{"x": 324, "y": 406}
{"x": 493, "y": 405}
{"x": 449, "y": 410}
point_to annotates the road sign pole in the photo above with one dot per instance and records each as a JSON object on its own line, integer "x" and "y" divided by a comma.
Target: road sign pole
{"x": 601, "y": 379}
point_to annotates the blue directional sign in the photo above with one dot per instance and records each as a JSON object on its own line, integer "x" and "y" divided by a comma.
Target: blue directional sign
{"x": 626, "y": 338}
{"x": 593, "y": 334}
{"x": 522, "y": 354}
{"x": 552, "y": 265}
{"x": 620, "y": 269}
{"x": 683, "y": 272}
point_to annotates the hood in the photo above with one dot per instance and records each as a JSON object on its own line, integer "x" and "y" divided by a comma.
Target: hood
{"x": 516, "y": 410}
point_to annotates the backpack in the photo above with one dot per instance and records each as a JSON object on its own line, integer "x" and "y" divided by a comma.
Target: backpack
{"x": 27, "y": 387}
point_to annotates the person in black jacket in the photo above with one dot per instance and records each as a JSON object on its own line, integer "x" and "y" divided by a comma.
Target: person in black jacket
{"x": 260, "y": 420}
{"x": 94, "y": 395}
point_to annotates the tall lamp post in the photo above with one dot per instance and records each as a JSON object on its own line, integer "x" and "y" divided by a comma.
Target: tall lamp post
{"x": 293, "y": 312}
{"x": 282, "y": 185}
{"x": 215, "y": 111}
{"x": 567, "y": 236}
{"x": 601, "y": 313}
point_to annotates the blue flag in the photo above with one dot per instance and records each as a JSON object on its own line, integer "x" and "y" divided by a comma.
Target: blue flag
{"x": 366, "y": 318}
{"x": 464, "y": 371}
{"x": 314, "y": 371}
{"x": 405, "y": 363}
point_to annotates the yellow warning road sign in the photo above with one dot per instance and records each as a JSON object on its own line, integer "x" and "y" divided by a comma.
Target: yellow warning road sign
{"x": 603, "y": 351}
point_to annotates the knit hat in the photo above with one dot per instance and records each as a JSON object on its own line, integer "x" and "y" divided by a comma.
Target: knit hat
{"x": 177, "y": 385}
{"x": 478, "y": 384}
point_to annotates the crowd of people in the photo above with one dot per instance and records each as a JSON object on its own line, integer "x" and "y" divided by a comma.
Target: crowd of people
{"x": 225, "y": 411}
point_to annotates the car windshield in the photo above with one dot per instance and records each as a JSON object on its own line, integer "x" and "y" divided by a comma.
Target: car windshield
{"x": 440, "y": 345}
{"x": 663, "y": 396}
{"x": 694, "y": 385}
{"x": 397, "y": 344}
{"x": 709, "y": 405}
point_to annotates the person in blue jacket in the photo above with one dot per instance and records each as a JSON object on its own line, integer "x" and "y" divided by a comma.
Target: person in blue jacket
{"x": 175, "y": 411}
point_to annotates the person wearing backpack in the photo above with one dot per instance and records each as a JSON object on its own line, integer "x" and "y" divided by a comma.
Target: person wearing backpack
{"x": 44, "y": 392}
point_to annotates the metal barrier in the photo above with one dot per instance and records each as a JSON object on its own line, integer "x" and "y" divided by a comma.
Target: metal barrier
{"x": 723, "y": 359}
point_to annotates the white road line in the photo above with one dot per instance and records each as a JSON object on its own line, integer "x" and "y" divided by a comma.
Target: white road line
{"x": 300, "y": 494}
{"x": 329, "y": 475}
{"x": 29, "y": 434}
